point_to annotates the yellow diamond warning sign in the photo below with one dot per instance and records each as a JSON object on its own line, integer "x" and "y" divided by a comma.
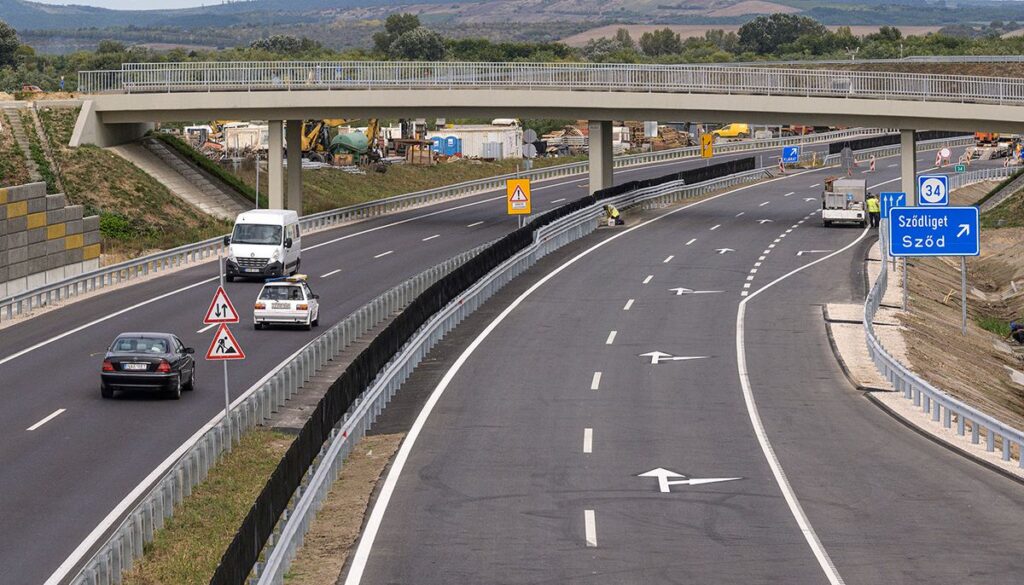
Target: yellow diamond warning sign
{"x": 518, "y": 196}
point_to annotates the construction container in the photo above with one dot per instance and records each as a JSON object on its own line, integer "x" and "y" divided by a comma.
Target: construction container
{"x": 470, "y": 141}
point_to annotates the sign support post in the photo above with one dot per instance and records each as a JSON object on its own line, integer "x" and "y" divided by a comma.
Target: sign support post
{"x": 904, "y": 284}
{"x": 963, "y": 294}
{"x": 227, "y": 394}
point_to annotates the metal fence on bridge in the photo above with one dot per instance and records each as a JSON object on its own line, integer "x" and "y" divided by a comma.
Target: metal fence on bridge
{"x": 716, "y": 79}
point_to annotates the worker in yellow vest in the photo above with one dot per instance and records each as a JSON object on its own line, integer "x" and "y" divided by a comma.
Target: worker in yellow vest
{"x": 612, "y": 214}
{"x": 874, "y": 210}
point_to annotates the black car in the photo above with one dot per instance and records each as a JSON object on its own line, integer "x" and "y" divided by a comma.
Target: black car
{"x": 148, "y": 362}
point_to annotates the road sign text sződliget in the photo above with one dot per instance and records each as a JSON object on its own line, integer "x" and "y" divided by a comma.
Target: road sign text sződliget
{"x": 936, "y": 231}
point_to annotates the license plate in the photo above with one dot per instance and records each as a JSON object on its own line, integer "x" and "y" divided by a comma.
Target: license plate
{"x": 134, "y": 366}
{"x": 280, "y": 306}
{"x": 252, "y": 269}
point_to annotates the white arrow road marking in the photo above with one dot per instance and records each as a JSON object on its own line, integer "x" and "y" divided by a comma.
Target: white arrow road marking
{"x": 665, "y": 484}
{"x": 965, "y": 229}
{"x": 802, "y": 252}
{"x": 724, "y": 250}
{"x": 764, "y": 221}
{"x": 689, "y": 291}
{"x": 810, "y": 198}
{"x": 51, "y": 416}
{"x": 660, "y": 356}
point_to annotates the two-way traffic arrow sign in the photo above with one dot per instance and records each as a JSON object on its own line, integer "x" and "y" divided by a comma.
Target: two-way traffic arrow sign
{"x": 665, "y": 483}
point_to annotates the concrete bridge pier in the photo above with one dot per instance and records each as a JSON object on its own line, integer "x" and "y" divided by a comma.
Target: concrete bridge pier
{"x": 601, "y": 165}
{"x": 908, "y": 165}
{"x": 293, "y": 137}
{"x": 275, "y": 165}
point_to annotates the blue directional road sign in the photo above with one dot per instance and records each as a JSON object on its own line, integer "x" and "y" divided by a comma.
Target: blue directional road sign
{"x": 790, "y": 154}
{"x": 889, "y": 200}
{"x": 933, "y": 190}
{"x": 934, "y": 231}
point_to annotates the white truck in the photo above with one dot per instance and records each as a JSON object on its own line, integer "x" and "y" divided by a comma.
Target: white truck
{"x": 844, "y": 200}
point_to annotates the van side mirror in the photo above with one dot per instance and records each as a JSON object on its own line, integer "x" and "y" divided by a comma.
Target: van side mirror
{"x": 227, "y": 240}
{"x": 287, "y": 242}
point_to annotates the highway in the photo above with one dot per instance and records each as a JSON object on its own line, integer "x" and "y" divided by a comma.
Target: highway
{"x": 536, "y": 475}
{"x": 83, "y": 454}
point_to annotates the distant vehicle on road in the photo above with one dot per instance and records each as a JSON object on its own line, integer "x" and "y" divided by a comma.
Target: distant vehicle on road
{"x": 733, "y": 130}
{"x": 148, "y": 362}
{"x": 286, "y": 301}
{"x": 265, "y": 243}
{"x": 31, "y": 89}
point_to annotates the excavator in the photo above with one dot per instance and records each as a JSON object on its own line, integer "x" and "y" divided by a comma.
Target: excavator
{"x": 318, "y": 146}
{"x": 363, "y": 146}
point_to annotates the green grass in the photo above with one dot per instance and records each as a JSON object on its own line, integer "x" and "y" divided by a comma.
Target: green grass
{"x": 206, "y": 164}
{"x": 994, "y": 324}
{"x": 189, "y": 547}
{"x": 13, "y": 169}
{"x": 1002, "y": 184}
{"x": 138, "y": 212}
{"x": 38, "y": 154}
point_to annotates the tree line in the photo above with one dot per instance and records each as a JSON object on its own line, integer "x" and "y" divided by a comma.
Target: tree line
{"x": 778, "y": 36}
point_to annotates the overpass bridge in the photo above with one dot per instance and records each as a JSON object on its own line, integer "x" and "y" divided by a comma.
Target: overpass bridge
{"x": 124, "y": 103}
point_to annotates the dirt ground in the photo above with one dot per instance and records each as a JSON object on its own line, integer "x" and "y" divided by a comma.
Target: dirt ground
{"x": 975, "y": 367}
{"x": 337, "y": 525}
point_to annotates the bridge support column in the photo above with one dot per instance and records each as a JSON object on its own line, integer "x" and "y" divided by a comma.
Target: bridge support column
{"x": 908, "y": 165}
{"x": 293, "y": 137}
{"x": 600, "y": 155}
{"x": 275, "y": 166}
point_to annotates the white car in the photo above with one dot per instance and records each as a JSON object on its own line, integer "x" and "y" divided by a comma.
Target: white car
{"x": 286, "y": 301}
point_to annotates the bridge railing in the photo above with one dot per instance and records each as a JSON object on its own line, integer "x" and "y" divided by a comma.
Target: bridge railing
{"x": 327, "y": 75}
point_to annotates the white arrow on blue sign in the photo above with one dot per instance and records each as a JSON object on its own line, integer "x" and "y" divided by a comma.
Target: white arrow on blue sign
{"x": 935, "y": 231}
{"x": 790, "y": 154}
{"x": 889, "y": 200}
{"x": 933, "y": 190}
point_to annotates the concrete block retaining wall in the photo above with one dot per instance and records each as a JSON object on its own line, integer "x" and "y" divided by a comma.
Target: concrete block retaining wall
{"x": 43, "y": 239}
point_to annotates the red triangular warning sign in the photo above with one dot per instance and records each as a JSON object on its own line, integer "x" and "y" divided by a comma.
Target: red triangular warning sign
{"x": 518, "y": 195}
{"x": 221, "y": 310}
{"x": 224, "y": 346}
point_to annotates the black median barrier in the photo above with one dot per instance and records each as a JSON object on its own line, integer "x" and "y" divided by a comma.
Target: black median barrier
{"x": 243, "y": 552}
{"x": 891, "y": 140}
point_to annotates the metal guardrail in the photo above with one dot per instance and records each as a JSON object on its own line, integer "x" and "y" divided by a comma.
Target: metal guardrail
{"x": 102, "y": 561}
{"x": 23, "y": 302}
{"x": 310, "y": 496}
{"x": 608, "y": 77}
{"x": 931, "y": 400}
{"x": 963, "y": 179}
{"x": 910, "y": 59}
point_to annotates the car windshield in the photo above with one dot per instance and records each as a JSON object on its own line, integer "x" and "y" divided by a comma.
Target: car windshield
{"x": 140, "y": 345}
{"x": 282, "y": 293}
{"x": 251, "y": 233}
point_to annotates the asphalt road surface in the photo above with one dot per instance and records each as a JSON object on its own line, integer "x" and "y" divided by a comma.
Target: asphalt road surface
{"x": 528, "y": 469}
{"x": 63, "y": 477}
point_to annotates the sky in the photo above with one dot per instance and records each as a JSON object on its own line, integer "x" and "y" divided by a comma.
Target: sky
{"x": 134, "y": 4}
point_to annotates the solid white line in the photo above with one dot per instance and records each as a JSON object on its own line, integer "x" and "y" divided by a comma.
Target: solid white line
{"x": 611, "y": 337}
{"x": 765, "y": 203}
{"x": 44, "y": 343}
{"x": 558, "y": 200}
{"x": 629, "y": 304}
{"x": 383, "y": 254}
{"x": 691, "y": 241}
{"x": 595, "y": 382}
{"x": 331, "y": 273}
{"x": 755, "y": 419}
{"x": 373, "y": 523}
{"x": 428, "y": 238}
{"x": 474, "y": 224}
{"x": 715, "y": 227}
{"x": 207, "y": 328}
{"x": 649, "y": 278}
{"x": 590, "y": 528}
{"x": 52, "y": 416}
{"x": 588, "y": 440}
{"x": 667, "y": 260}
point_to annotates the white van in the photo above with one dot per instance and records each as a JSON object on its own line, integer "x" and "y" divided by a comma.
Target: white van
{"x": 264, "y": 243}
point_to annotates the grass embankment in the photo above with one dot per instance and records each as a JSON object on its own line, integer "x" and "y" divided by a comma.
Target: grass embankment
{"x": 189, "y": 547}
{"x": 13, "y": 169}
{"x": 37, "y": 153}
{"x": 326, "y": 189}
{"x": 206, "y": 164}
{"x": 137, "y": 213}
